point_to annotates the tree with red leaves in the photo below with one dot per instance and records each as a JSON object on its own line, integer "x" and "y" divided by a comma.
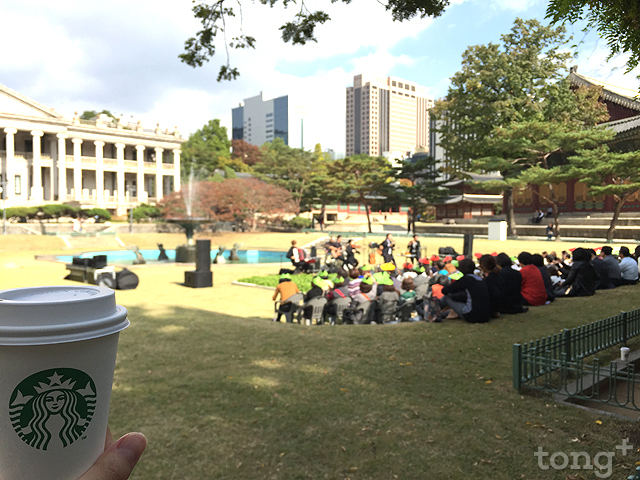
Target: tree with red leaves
{"x": 245, "y": 152}
{"x": 237, "y": 199}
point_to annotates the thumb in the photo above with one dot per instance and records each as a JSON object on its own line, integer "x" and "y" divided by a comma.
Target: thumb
{"x": 117, "y": 462}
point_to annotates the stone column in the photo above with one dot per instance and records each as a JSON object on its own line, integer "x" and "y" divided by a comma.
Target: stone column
{"x": 62, "y": 167}
{"x": 9, "y": 170}
{"x": 99, "y": 172}
{"x": 77, "y": 169}
{"x": 176, "y": 170}
{"x": 36, "y": 190}
{"x": 53, "y": 172}
{"x": 120, "y": 173}
{"x": 142, "y": 195}
{"x": 159, "y": 173}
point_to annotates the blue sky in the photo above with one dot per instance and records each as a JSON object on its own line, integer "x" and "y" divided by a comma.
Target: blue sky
{"x": 74, "y": 55}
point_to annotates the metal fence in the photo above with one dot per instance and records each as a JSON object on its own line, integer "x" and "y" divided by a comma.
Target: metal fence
{"x": 556, "y": 363}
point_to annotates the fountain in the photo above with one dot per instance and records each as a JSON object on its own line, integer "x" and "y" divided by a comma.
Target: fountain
{"x": 187, "y": 253}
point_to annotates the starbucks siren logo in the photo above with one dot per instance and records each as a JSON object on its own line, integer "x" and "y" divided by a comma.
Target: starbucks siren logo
{"x": 53, "y": 407}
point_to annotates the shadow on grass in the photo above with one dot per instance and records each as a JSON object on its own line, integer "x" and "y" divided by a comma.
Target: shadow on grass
{"x": 226, "y": 397}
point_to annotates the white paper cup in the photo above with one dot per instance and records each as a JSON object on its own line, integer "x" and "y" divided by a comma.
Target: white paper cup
{"x": 57, "y": 357}
{"x": 624, "y": 353}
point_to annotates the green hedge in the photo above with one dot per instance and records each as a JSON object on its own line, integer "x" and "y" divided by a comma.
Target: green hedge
{"x": 146, "y": 212}
{"x": 303, "y": 281}
{"x": 298, "y": 222}
{"x": 103, "y": 215}
{"x": 54, "y": 211}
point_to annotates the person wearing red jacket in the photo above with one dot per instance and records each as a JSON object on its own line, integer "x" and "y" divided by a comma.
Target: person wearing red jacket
{"x": 533, "y": 289}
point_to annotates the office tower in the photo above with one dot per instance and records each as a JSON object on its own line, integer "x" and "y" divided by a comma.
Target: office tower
{"x": 257, "y": 121}
{"x": 386, "y": 116}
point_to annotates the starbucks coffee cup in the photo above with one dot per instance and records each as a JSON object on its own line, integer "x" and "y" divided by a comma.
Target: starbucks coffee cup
{"x": 624, "y": 353}
{"x": 57, "y": 358}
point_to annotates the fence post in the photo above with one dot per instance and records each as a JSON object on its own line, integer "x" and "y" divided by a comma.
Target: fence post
{"x": 625, "y": 329}
{"x": 566, "y": 334}
{"x": 517, "y": 366}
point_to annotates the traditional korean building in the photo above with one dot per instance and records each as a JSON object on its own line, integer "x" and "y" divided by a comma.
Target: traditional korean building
{"x": 105, "y": 163}
{"x": 573, "y": 196}
{"x": 468, "y": 199}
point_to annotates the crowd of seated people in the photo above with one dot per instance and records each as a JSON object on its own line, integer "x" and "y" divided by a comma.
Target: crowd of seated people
{"x": 454, "y": 286}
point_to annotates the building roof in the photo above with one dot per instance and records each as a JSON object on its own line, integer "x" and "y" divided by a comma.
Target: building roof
{"x": 474, "y": 198}
{"x": 473, "y": 177}
{"x": 19, "y": 99}
{"x": 620, "y": 95}
{"x": 624, "y": 125}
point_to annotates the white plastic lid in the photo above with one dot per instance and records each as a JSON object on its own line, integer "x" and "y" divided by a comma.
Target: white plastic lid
{"x": 46, "y": 315}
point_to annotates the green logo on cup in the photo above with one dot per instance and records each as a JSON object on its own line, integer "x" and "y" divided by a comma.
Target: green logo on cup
{"x": 53, "y": 407}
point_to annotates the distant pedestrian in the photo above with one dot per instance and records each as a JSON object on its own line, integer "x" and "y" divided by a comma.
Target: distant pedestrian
{"x": 549, "y": 232}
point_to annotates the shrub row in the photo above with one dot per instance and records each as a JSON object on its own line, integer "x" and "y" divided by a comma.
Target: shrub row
{"x": 54, "y": 211}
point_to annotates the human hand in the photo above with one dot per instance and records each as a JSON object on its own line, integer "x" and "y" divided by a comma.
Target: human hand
{"x": 118, "y": 459}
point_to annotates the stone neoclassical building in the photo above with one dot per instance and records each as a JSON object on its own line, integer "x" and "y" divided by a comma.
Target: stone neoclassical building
{"x": 105, "y": 163}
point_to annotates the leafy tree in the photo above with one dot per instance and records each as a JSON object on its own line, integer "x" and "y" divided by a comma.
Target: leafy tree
{"x": 146, "y": 212}
{"x": 245, "y": 152}
{"x": 615, "y": 20}
{"x": 419, "y": 184}
{"x": 363, "y": 179}
{"x": 521, "y": 80}
{"x": 214, "y": 14}
{"x": 206, "y": 150}
{"x": 286, "y": 167}
{"x": 534, "y": 152}
{"x": 91, "y": 114}
{"x": 229, "y": 173}
{"x": 239, "y": 200}
{"x": 102, "y": 213}
{"x": 608, "y": 173}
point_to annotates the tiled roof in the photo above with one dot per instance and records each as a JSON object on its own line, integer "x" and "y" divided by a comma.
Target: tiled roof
{"x": 624, "y": 125}
{"x": 620, "y": 95}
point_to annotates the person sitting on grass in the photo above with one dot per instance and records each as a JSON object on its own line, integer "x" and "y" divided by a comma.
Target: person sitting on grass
{"x": 613, "y": 267}
{"x": 316, "y": 290}
{"x": 468, "y": 296}
{"x": 582, "y": 279}
{"x": 327, "y": 284}
{"x": 604, "y": 283}
{"x": 355, "y": 280}
{"x": 538, "y": 261}
{"x": 495, "y": 285}
{"x": 512, "y": 281}
{"x": 388, "y": 300}
{"x": 421, "y": 276}
{"x": 366, "y": 292}
{"x": 628, "y": 267}
{"x": 340, "y": 290}
{"x": 285, "y": 288}
{"x": 533, "y": 291}
{"x": 408, "y": 290}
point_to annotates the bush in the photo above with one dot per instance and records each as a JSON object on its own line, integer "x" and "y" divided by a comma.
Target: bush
{"x": 57, "y": 211}
{"x": 298, "y": 222}
{"x": 22, "y": 214}
{"x": 103, "y": 215}
{"x": 146, "y": 212}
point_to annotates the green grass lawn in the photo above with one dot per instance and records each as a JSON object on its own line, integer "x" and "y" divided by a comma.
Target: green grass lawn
{"x": 223, "y": 393}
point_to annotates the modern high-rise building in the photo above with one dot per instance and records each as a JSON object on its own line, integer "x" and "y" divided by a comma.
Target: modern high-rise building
{"x": 257, "y": 121}
{"x": 387, "y": 116}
